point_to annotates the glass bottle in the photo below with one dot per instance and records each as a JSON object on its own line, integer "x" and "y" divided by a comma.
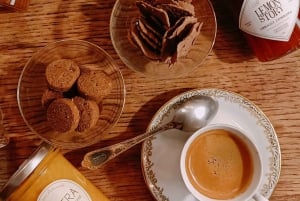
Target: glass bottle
{"x": 4, "y": 140}
{"x": 18, "y": 5}
{"x": 271, "y": 27}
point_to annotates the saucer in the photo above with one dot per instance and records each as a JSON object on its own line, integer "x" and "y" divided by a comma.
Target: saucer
{"x": 161, "y": 153}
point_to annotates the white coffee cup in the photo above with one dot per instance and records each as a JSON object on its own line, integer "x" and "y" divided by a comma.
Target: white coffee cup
{"x": 214, "y": 161}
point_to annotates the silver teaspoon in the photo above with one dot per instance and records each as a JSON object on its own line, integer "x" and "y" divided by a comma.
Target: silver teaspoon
{"x": 190, "y": 116}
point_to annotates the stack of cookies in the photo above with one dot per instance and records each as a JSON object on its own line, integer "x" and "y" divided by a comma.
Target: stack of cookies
{"x": 166, "y": 29}
{"x": 73, "y": 96}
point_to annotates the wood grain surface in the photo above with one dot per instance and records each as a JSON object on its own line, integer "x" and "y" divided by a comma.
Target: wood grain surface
{"x": 273, "y": 86}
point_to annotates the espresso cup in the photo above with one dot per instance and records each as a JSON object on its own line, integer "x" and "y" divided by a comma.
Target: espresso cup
{"x": 220, "y": 162}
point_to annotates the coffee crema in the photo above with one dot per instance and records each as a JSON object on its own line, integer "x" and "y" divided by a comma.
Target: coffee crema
{"x": 219, "y": 164}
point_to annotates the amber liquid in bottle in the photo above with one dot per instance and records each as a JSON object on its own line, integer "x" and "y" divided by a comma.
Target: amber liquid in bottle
{"x": 266, "y": 49}
{"x": 17, "y": 5}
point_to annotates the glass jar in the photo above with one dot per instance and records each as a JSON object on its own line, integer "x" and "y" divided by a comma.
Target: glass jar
{"x": 271, "y": 27}
{"x": 46, "y": 176}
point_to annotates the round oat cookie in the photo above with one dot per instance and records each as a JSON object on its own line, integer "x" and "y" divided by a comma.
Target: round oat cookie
{"x": 63, "y": 115}
{"x": 62, "y": 74}
{"x": 89, "y": 113}
{"x": 50, "y": 95}
{"x": 94, "y": 85}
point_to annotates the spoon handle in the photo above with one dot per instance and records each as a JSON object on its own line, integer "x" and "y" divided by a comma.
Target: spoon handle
{"x": 94, "y": 159}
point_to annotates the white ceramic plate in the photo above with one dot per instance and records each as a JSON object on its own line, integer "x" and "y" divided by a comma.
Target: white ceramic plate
{"x": 161, "y": 154}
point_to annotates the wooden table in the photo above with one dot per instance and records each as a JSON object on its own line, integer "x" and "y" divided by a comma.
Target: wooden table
{"x": 273, "y": 86}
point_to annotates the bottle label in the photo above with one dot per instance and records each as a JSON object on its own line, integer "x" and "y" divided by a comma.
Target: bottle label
{"x": 8, "y": 2}
{"x": 64, "y": 190}
{"x": 270, "y": 19}
{"x": 12, "y": 2}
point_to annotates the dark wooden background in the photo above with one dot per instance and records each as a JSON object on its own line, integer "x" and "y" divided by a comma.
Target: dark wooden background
{"x": 273, "y": 86}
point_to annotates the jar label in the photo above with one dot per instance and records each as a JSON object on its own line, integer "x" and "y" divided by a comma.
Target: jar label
{"x": 64, "y": 190}
{"x": 270, "y": 19}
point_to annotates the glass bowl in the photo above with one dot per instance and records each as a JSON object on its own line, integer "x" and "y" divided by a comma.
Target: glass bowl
{"x": 125, "y": 11}
{"x": 32, "y": 84}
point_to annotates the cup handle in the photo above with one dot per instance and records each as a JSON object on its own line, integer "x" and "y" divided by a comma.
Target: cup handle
{"x": 259, "y": 197}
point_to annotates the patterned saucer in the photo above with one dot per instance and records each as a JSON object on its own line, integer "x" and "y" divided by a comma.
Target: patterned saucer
{"x": 161, "y": 154}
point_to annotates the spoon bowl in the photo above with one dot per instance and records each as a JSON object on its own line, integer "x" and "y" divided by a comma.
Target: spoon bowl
{"x": 190, "y": 116}
{"x": 195, "y": 113}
